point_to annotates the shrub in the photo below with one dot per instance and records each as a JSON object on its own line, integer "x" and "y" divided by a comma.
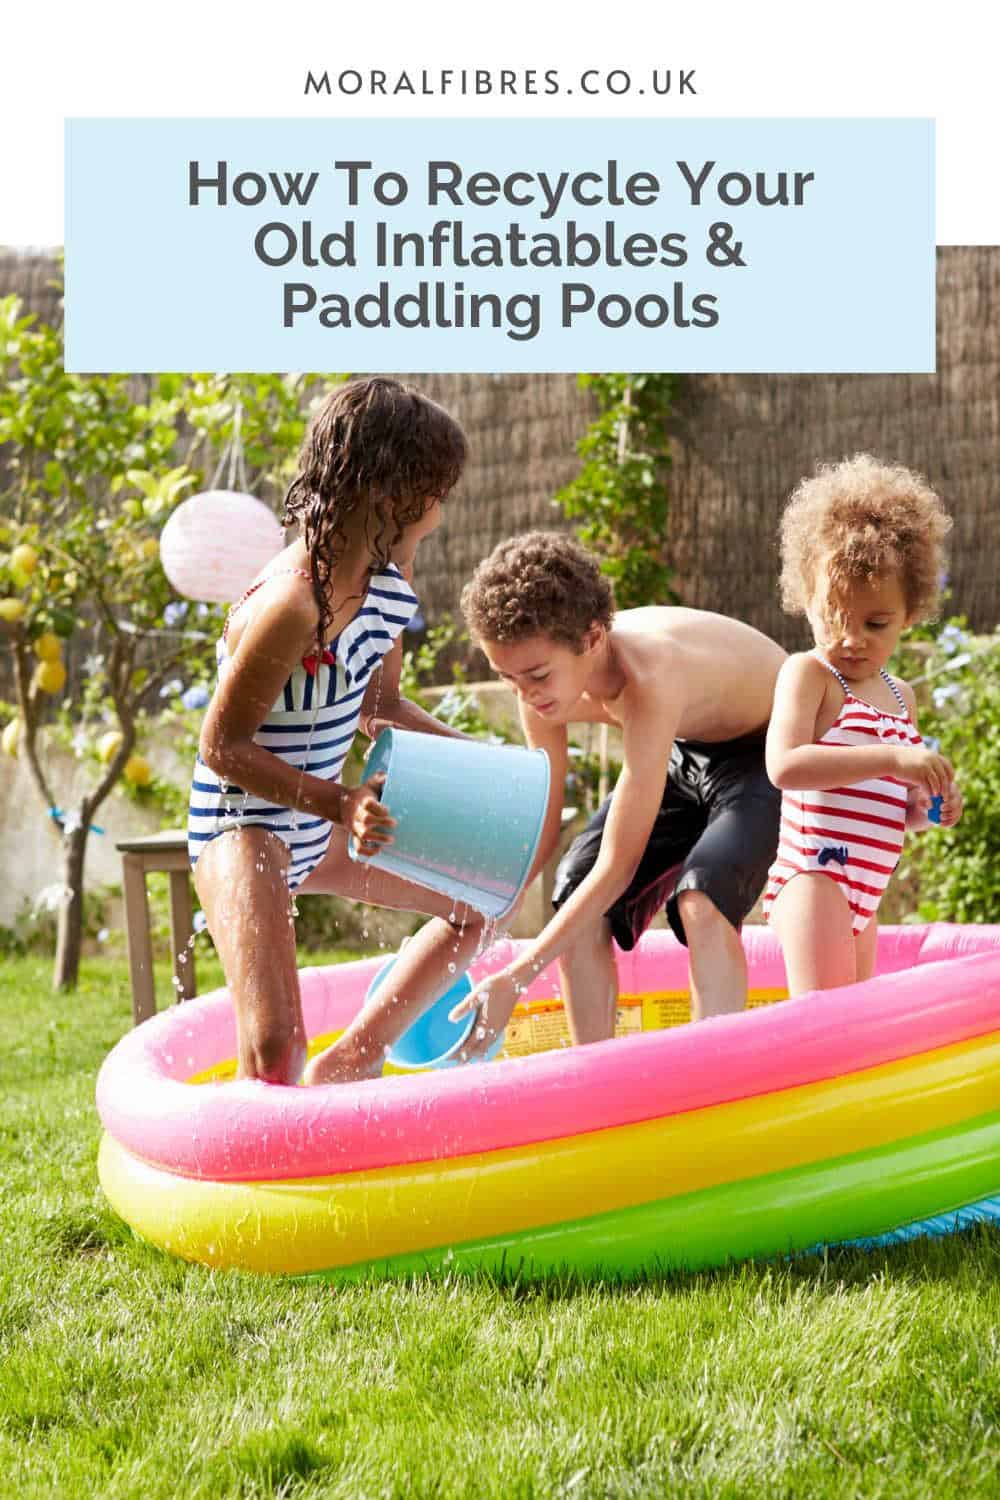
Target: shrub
{"x": 956, "y": 871}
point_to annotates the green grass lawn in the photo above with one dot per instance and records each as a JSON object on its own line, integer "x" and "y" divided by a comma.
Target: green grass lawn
{"x": 126, "y": 1373}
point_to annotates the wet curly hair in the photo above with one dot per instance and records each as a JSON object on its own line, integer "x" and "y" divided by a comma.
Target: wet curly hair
{"x": 542, "y": 583}
{"x": 858, "y": 521}
{"x": 374, "y": 446}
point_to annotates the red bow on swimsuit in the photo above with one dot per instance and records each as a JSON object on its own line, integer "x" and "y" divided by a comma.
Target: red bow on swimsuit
{"x": 310, "y": 662}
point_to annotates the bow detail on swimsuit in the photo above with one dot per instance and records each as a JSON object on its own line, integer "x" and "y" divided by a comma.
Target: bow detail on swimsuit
{"x": 311, "y": 662}
{"x": 830, "y": 852}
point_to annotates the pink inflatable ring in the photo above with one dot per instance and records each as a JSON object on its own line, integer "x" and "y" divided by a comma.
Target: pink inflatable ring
{"x": 836, "y": 1116}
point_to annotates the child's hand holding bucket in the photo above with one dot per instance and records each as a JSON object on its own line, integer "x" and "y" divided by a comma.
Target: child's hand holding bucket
{"x": 367, "y": 821}
{"x": 468, "y": 815}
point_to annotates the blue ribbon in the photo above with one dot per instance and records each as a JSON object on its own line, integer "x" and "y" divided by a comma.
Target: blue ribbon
{"x": 57, "y": 815}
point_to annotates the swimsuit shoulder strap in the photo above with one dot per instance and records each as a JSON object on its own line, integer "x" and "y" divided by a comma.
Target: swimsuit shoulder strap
{"x": 890, "y": 683}
{"x": 296, "y": 572}
{"x": 843, "y": 681}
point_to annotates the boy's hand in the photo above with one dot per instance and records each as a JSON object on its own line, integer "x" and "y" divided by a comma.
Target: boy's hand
{"x": 364, "y": 817}
{"x": 493, "y": 1002}
{"x": 924, "y": 768}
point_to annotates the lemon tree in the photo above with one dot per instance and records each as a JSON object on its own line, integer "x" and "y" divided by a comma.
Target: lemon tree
{"x": 91, "y": 467}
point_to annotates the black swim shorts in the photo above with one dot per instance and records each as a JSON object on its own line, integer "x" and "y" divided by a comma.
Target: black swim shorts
{"x": 716, "y": 831}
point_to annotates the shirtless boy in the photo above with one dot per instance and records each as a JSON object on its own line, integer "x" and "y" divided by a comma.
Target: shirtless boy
{"x": 693, "y": 820}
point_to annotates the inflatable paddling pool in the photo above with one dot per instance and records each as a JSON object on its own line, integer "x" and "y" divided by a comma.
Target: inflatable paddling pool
{"x": 832, "y": 1117}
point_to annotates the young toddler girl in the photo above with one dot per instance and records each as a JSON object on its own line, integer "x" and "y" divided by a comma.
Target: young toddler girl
{"x": 861, "y": 545}
{"x": 312, "y": 650}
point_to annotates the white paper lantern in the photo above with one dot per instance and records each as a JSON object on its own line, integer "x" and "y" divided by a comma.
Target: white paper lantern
{"x": 216, "y": 543}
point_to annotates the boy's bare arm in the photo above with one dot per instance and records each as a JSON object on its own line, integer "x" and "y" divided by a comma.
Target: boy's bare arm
{"x": 649, "y": 726}
{"x": 554, "y": 740}
{"x": 649, "y": 729}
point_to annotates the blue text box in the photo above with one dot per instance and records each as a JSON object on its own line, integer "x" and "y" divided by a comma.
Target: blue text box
{"x": 838, "y": 274}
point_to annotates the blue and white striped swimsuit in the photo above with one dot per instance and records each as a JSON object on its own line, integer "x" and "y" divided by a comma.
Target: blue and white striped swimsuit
{"x": 311, "y": 726}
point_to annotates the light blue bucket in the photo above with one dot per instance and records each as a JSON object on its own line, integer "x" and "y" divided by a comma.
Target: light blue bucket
{"x": 469, "y": 816}
{"x": 434, "y": 1041}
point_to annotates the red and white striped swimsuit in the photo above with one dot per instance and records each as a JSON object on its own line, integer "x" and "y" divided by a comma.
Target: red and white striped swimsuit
{"x": 853, "y": 834}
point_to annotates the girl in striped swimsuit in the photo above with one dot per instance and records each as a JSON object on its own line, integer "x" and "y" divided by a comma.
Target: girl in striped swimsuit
{"x": 312, "y": 651}
{"x": 861, "y": 558}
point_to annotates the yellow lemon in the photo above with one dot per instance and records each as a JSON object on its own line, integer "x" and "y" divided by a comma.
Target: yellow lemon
{"x": 11, "y": 610}
{"x": 10, "y": 740}
{"x": 109, "y": 744}
{"x": 48, "y": 647}
{"x": 138, "y": 770}
{"x": 50, "y": 676}
{"x": 24, "y": 559}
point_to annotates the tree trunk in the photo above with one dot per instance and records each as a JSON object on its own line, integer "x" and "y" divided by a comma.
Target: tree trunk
{"x": 70, "y": 929}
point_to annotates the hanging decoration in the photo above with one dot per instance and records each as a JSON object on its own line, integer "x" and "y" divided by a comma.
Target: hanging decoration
{"x": 215, "y": 543}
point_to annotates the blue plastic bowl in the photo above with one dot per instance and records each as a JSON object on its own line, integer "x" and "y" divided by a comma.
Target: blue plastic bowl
{"x": 434, "y": 1041}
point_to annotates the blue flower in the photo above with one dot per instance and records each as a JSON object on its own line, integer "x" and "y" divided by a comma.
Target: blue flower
{"x": 417, "y": 624}
{"x": 172, "y": 688}
{"x": 175, "y": 612}
{"x": 942, "y": 695}
{"x": 196, "y": 696}
{"x": 951, "y": 637}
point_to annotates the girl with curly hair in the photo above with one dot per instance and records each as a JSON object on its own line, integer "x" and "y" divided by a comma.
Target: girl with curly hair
{"x": 312, "y": 651}
{"x": 861, "y": 546}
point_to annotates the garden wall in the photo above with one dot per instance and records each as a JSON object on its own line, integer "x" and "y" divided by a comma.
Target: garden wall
{"x": 29, "y": 838}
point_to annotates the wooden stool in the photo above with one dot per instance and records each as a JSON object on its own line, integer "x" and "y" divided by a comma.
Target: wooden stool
{"x": 140, "y": 857}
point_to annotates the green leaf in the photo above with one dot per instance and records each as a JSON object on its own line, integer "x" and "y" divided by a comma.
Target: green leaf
{"x": 53, "y": 477}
